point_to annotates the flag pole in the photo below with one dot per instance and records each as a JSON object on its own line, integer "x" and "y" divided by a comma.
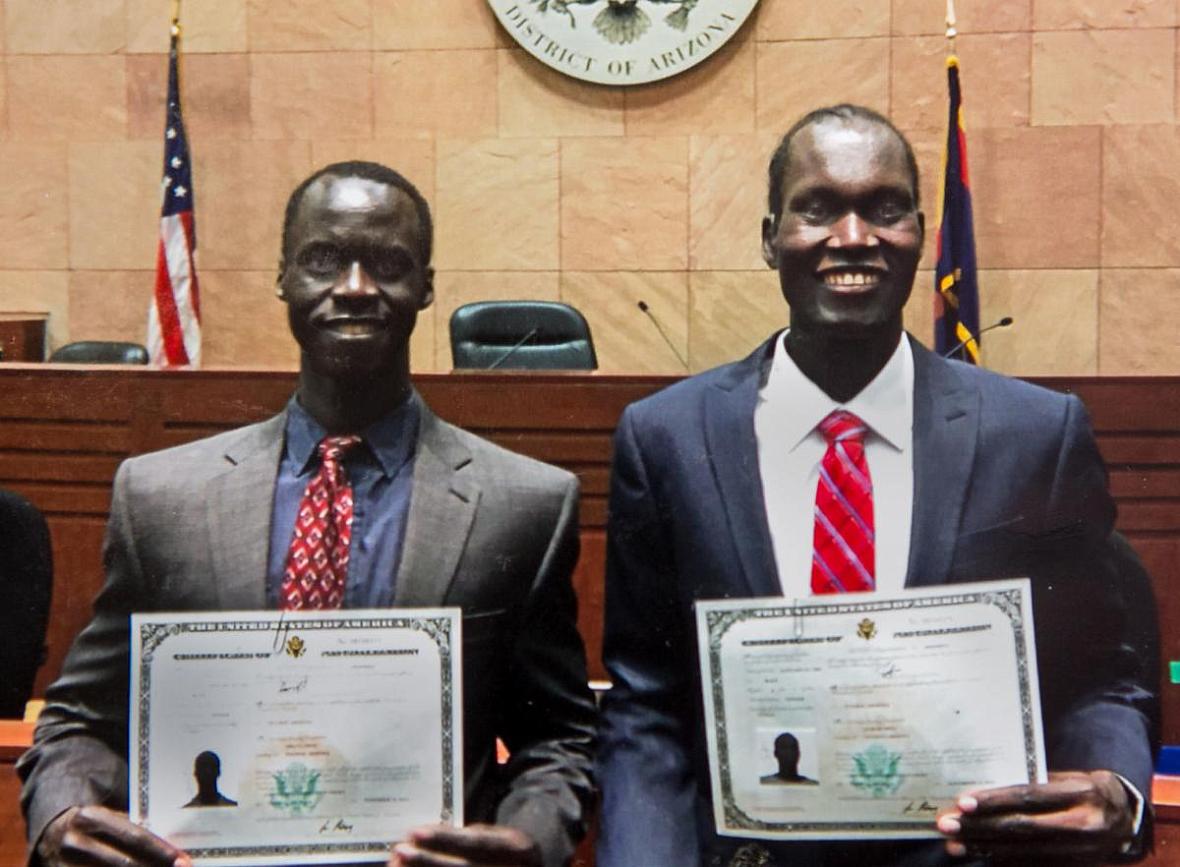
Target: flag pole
{"x": 174, "y": 43}
{"x": 951, "y": 25}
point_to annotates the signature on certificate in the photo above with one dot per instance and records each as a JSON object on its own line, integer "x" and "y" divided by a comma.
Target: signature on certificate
{"x": 335, "y": 826}
{"x": 293, "y": 685}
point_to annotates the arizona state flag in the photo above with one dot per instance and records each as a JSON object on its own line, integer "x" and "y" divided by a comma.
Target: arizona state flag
{"x": 956, "y": 293}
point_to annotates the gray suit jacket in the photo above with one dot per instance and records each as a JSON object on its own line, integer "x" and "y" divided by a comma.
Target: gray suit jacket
{"x": 490, "y": 531}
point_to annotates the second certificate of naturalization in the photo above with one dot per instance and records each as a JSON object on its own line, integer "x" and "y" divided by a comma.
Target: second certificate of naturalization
{"x": 290, "y": 737}
{"x": 860, "y": 716}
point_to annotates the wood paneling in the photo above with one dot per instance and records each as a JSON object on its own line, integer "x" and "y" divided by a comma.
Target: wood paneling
{"x": 588, "y": 583}
{"x": 22, "y": 338}
{"x": 63, "y": 430}
{"x": 12, "y": 824}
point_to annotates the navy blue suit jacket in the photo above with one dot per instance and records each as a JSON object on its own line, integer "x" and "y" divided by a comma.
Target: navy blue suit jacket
{"x": 1008, "y": 482}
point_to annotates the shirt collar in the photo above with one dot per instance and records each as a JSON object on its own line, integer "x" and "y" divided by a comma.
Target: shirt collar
{"x": 885, "y": 404}
{"x": 391, "y": 439}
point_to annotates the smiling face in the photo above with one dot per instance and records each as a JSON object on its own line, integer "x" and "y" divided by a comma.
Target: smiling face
{"x": 353, "y": 278}
{"x": 849, "y": 235}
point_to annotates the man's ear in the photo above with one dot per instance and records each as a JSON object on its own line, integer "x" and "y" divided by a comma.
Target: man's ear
{"x": 280, "y": 292}
{"x": 427, "y": 288}
{"x": 922, "y": 225}
{"x": 769, "y": 248}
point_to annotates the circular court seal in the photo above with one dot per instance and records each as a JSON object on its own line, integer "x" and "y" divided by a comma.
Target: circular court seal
{"x": 621, "y": 41}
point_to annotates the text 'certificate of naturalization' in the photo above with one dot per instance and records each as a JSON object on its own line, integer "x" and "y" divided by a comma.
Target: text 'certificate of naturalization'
{"x": 856, "y": 716}
{"x": 295, "y": 737}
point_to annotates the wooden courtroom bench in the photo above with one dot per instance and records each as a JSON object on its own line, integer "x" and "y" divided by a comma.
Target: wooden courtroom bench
{"x": 15, "y": 737}
{"x": 1166, "y": 796}
{"x": 65, "y": 428}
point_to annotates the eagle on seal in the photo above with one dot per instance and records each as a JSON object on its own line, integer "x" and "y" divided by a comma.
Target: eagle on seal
{"x": 622, "y": 22}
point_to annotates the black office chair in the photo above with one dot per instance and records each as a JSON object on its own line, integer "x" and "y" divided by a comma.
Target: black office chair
{"x": 525, "y": 335}
{"x": 26, "y": 573}
{"x": 101, "y": 352}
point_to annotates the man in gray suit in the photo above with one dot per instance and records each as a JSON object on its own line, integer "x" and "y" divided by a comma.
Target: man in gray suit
{"x": 441, "y": 517}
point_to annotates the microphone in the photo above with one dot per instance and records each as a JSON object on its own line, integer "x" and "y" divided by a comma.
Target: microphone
{"x": 1003, "y": 323}
{"x": 642, "y": 305}
{"x": 532, "y": 333}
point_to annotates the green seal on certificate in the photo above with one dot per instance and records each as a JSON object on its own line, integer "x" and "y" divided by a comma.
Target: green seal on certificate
{"x": 296, "y": 789}
{"x": 876, "y": 771}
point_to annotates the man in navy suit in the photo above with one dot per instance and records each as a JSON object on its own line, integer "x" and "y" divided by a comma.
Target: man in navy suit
{"x": 974, "y": 476}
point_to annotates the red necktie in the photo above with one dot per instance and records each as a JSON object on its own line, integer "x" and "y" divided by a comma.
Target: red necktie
{"x": 842, "y": 558}
{"x": 317, "y": 561}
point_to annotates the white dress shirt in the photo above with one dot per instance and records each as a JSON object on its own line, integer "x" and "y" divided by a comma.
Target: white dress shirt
{"x": 790, "y": 448}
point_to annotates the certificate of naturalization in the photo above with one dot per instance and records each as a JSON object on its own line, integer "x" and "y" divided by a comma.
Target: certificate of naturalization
{"x": 855, "y": 717}
{"x": 291, "y": 737}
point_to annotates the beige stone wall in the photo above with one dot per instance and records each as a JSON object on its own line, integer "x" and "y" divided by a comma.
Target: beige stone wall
{"x": 547, "y": 188}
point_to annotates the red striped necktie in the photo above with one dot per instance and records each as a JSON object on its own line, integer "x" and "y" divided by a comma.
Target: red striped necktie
{"x": 317, "y": 561}
{"x": 842, "y": 558}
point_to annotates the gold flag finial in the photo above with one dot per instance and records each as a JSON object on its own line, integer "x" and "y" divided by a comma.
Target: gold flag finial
{"x": 176, "y": 18}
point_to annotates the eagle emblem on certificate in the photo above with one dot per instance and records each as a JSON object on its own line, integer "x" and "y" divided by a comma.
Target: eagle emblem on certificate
{"x": 876, "y": 771}
{"x": 296, "y": 789}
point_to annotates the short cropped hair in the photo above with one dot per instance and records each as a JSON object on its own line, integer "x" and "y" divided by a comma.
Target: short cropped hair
{"x": 786, "y": 739}
{"x": 846, "y": 112}
{"x": 370, "y": 172}
{"x": 207, "y": 763}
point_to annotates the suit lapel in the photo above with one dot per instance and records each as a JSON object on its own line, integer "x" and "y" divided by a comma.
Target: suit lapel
{"x": 442, "y": 509}
{"x": 239, "y": 505}
{"x": 946, "y": 425}
{"x": 733, "y": 452}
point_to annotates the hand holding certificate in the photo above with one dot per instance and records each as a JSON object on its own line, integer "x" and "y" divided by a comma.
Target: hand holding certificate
{"x": 277, "y": 738}
{"x": 852, "y": 717}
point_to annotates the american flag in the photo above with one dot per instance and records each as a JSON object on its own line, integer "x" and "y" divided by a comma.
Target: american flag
{"x": 174, "y": 321}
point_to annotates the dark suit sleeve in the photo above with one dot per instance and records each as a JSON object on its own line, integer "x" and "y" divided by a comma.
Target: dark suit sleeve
{"x": 26, "y": 562}
{"x": 79, "y": 753}
{"x": 549, "y": 729}
{"x": 1097, "y": 631}
{"x": 645, "y": 762}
